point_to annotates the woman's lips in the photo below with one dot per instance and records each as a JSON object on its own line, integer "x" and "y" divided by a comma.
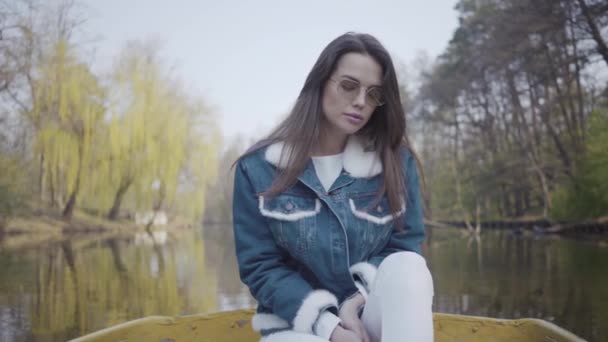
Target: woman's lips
{"x": 353, "y": 117}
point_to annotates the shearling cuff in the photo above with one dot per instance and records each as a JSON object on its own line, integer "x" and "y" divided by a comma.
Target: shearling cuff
{"x": 267, "y": 321}
{"x": 313, "y": 305}
{"x": 364, "y": 274}
{"x": 326, "y": 324}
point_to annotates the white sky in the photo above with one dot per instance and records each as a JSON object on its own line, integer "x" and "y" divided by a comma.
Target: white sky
{"x": 249, "y": 59}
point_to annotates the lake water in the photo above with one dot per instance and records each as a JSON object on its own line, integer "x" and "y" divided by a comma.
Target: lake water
{"x": 54, "y": 291}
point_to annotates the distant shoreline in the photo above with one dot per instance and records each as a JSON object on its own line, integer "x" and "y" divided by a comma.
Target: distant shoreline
{"x": 48, "y": 227}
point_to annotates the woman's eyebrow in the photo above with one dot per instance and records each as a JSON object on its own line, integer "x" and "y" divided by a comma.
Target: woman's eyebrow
{"x": 356, "y": 80}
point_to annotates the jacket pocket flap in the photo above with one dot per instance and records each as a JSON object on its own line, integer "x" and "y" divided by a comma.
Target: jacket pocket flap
{"x": 289, "y": 208}
{"x": 370, "y": 209}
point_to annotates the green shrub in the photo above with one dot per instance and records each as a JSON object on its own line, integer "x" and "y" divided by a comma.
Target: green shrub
{"x": 587, "y": 196}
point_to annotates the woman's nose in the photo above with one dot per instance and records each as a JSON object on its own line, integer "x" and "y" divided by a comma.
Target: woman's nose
{"x": 359, "y": 100}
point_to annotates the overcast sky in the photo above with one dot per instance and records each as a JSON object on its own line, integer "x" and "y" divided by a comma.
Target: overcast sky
{"x": 249, "y": 59}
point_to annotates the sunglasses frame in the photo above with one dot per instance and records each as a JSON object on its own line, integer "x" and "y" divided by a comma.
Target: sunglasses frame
{"x": 368, "y": 98}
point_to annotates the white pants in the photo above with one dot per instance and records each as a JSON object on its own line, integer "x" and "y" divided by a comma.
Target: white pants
{"x": 398, "y": 307}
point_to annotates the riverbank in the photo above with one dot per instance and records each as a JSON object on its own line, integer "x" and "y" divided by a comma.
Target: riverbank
{"x": 592, "y": 227}
{"x": 47, "y": 226}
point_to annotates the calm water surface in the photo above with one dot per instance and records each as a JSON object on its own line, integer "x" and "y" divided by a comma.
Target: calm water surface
{"x": 60, "y": 290}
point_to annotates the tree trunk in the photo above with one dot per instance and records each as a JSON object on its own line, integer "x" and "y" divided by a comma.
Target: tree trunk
{"x": 2, "y": 229}
{"x": 41, "y": 179}
{"x": 477, "y": 218}
{"x": 506, "y": 200}
{"x": 52, "y": 194}
{"x": 545, "y": 188}
{"x": 519, "y": 207}
{"x": 602, "y": 48}
{"x": 69, "y": 208}
{"x": 113, "y": 214}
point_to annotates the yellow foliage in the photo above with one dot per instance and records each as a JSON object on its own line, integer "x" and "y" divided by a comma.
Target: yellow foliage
{"x": 66, "y": 112}
{"x": 143, "y": 133}
{"x": 154, "y": 138}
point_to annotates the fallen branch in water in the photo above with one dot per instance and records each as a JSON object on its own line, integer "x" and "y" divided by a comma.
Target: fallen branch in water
{"x": 599, "y": 225}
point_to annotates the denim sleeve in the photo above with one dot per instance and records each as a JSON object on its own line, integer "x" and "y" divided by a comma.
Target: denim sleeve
{"x": 263, "y": 269}
{"x": 412, "y": 236}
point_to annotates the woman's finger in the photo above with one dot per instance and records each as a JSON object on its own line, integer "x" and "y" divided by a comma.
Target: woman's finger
{"x": 346, "y": 325}
{"x": 365, "y": 337}
{"x": 362, "y": 332}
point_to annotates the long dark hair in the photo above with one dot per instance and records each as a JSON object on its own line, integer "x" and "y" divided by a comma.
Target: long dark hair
{"x": 386, "y": 128}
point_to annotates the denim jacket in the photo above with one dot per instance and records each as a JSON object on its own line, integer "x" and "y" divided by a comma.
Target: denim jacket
{"x": 307, "y": 250}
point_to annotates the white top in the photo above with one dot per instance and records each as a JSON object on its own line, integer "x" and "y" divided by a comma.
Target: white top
{"x": 328, "y": 168}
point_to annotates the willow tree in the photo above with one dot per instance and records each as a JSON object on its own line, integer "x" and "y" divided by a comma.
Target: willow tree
{"x": 137, "y": 102}
{"x": 68, "y": 104}
{"x": 200, "y": 167}
{"x": 153, "y": 135}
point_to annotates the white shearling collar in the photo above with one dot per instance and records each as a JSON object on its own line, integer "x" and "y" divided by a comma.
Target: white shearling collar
{"x": 357, "y": 161}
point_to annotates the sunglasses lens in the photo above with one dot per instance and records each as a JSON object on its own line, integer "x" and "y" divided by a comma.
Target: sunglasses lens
{"x": 348, "y": 88}
{"x": 375, "y": 97}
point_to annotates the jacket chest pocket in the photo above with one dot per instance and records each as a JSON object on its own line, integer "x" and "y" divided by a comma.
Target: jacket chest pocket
{"x": 293, "y": 221}
{"x": 373, "y": 218}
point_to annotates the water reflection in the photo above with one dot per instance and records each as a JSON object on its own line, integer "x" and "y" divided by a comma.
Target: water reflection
{"x": 511, "y": 276}
{"x": 69, "y": 288}
{"x": 76, "y": 286}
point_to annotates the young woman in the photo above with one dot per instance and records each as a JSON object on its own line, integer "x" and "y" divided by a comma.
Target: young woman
{"x": 327, "y": 210}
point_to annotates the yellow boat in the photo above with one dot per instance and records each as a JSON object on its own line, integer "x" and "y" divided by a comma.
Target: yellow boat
{"x": 234, "y": 326}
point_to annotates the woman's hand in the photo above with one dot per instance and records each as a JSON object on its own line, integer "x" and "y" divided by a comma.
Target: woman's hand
{"x": 349, "y": 315}
{"x": 343, "y": 335}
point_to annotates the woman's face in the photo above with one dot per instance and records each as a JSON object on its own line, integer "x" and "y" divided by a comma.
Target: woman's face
{"x": 349, "y": 94}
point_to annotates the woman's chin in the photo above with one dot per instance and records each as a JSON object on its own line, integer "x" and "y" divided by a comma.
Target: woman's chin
{"x": 345, "y": 127}
{"x": 352, "y": 129}
{"x": 346, "y": 131}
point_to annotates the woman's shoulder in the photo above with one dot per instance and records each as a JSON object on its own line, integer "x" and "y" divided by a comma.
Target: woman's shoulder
{"x": 407, "y": 155}
{"x": 251, "y": 159}
{"x": 254, "y": 156}
{"x": 254, "y": 166}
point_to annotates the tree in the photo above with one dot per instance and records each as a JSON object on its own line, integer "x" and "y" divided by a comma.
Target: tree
{"x": 157, "y": 145}
{"x": 69, "y": 107}
{"x": 514, "y": 92}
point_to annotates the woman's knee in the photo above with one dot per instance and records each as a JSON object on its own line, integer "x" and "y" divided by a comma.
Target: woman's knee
{"x": 406, "y": 271}
{"x": 403, "y": 259}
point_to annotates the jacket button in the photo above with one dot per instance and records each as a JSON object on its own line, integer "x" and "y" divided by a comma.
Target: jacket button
{"x": 289, "y": 206}
{"x": 379, "y": 209}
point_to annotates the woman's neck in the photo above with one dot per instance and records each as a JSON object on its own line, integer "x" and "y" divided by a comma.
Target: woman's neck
{"x": 329, "y": 143}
